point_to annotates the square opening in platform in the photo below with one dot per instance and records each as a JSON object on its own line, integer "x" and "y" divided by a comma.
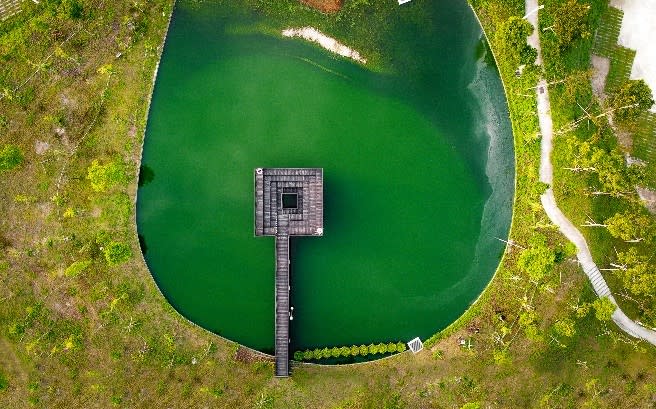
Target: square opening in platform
{"x": 289, "y": 200}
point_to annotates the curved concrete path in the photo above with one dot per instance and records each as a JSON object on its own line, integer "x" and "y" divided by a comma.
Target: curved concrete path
{"x": 549, "y": 201}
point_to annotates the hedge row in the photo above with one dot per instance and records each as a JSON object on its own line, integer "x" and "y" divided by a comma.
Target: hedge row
{"x": 345, "y": 351}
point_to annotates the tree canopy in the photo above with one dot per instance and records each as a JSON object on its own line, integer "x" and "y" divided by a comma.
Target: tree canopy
{"x": 633, "y": 98}
{"x": 538, "y": 260}
{"x": 630, "y": 226}
{"x": 511, "y": 39}
{"x": 570, "y": 22}
{"x": 636, "y": 273}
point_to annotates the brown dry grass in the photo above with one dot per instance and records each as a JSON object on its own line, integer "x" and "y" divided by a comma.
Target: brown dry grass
{"x": 325, "y": 6}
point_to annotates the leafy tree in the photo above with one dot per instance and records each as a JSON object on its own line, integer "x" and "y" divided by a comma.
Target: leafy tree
{"x": 633, "y": 98}
{"x": 117, "y": 253}
{"x": 570, "y": 22}
{"x": 307, "y": 355}
{"x": 364, "y": 351}
{"x": 71, "y": 9}
{"x": 298, "y": 356}
{"x": 103, "y": 177}
{"x": 316, "y": 353}
{"x": 528, "y": 322}
{"x": 335, "y": 352}
{"x": 565, "y": 327}
{"x": 637, "y": 275}
{"x": 537, "y": 261}
{"x": 391, "y": 347}
{"x": 400, "y": 346}
{"x": 604, "y": 308}
{"x": 325, "y": 353}
{"x": 373, "y": 349}
{"x": 511, "y": 40}
{"x": 345, "y": 351}
{"x": 355, "y": 350}
{"x": 10, "y": 157}
{"x": 630, "y": 227}
{"x": 614, "y": 176}
{"x": 382, "y": 348}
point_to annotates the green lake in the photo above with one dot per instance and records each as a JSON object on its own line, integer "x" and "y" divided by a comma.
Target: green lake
{"x": 418, "y": 177}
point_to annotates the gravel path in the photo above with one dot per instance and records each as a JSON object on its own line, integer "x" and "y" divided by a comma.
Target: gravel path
{"x": 549, "y": 201}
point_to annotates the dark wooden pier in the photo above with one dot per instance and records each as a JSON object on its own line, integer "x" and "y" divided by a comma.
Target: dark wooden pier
{"x": 288, "y": 202}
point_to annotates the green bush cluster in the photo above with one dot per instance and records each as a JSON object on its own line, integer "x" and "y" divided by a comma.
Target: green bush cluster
{"x": 10, "y": 157}
{"x": 346, "y": 351}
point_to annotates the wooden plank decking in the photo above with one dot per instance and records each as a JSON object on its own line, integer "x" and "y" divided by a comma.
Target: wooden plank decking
{"x": 273, "y": 218}
{"x": 282, "y": 297}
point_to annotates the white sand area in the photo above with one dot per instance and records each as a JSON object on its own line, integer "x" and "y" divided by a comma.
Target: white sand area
{"x": 329, "y": 43}
{"x": 639, "y": 33}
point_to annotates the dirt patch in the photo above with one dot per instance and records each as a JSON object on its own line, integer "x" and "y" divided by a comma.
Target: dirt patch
{"x": 600, "y": 68}
{"x": 648, "y": 197}
{"x": 248, "y": 355}
{"x": 41, "y": 147}
{"x": 325, "y": 6}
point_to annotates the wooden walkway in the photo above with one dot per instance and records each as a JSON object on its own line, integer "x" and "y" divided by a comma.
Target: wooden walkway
{"x": 302, "y": 216}
{"x": 282, "y": 297}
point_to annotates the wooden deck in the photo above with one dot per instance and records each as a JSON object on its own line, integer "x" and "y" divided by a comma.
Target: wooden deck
{"x": 282, "y": 298}
{"x": 272, "y": 218}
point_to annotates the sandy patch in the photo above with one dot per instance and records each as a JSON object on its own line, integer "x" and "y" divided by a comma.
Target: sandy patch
{"x": 41, "y": 147}
{"x": 638, "y": 33}
{"x": 329, "y": 43}
{"x": 326, "y": 6}
{"x": 600, "y": 68}
{"x": 648, "y": 197}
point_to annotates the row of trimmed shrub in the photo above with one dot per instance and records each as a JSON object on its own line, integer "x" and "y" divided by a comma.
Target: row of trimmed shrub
{"x": 345, "y": 351}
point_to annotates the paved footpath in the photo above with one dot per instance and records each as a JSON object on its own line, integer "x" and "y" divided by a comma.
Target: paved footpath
{"x": 549, "y": 201}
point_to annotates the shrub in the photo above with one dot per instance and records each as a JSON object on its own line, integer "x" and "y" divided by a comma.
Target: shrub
{"x": 76, "y": 268}
{"x": 604, "y": 308}
{"x": 364, "y": 351}
{"x": 298, "y": 356}
{"x": 117, "y": 253}
{"x": 103, "y": 177}
{"x": 565, "y": 327}
{"x": 10, "y": 157}
{"x": 345, "y": 351}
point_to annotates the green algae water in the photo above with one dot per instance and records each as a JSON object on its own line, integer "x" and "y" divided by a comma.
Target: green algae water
{"x": 418, "y": 178}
